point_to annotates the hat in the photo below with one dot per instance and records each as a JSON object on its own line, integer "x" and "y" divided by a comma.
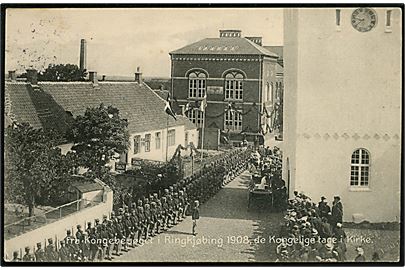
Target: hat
{"x": 339, "y": 225}
{"x": 68, "y": 231}
{"x": 15, "y": 253}
{"x": 323, "y": 198}
{"x": 89, "y": 223}
{"x": 78, "y": 226}
{"x": 27, "y": 248}
{"x": 62, "y": 242}
{"x": 39, "y": 244}
{"x": 50, "y": 240}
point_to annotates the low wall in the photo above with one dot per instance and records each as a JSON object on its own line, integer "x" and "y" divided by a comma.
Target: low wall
{"x": 57, "y": 230}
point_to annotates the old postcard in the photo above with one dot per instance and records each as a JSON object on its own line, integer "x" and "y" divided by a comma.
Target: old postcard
{"x": 202, "y": 134}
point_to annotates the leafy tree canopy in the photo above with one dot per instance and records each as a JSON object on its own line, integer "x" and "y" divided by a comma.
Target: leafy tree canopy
{"x": 62, "y": 73}
{"x": 35, "y": 169}
{"x": 98, "y": 136}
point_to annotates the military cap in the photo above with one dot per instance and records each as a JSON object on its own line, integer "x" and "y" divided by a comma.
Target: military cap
{"x": 97, "y": 220}
{"x": 68, "y": 232}
{"x": 147, "y": 205}
{"x": 15, "y": 253}
{"x": 155, "y": 195}
{"x": 171, "y": 188}
{"x": 39, "y": 244}
{"x": 153, "y": 203}
{"x": 89, "y": 223}
{"x": 62, "y": 242}
{"x": 50, "y": 240}
{"x": 104, "y": 216}
{"x": 27, "y": 248}
{"x": 140, "y": 202}
{"x": 78, "y": 226}
{"x": 140, "y": 208}
{"x": 166, "y": 190}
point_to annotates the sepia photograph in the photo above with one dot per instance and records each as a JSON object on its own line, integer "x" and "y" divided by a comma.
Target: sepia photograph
{"x": 202, "y": 134}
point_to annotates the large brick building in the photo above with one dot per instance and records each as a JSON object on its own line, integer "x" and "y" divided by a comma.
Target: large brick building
{"x": 238, "y": 77}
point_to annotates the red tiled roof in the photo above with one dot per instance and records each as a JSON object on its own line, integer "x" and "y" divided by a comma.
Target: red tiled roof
{"x": 46, "y": 106}
{"x": 225, "y": 45}
{"x": 143, "y": 108}
{"x": 34, "y": 106}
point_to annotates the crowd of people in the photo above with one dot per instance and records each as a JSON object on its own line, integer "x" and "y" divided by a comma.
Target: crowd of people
{"x": 266, "y": 164}
{"x": 136, "y": 222}
{"x": 312, "y": 232}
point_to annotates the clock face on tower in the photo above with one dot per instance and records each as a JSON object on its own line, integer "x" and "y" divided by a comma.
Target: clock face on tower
{"x": 364, "y": 19}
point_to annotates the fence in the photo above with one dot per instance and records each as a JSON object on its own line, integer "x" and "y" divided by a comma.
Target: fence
{"x": 30, "y": 223}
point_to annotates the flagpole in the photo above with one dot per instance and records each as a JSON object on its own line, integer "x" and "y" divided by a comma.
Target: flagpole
{"x": 167, "y": 135}
{"x": 202, "y": 138}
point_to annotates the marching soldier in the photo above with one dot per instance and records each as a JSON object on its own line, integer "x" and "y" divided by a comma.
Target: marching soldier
{"x": 147, "y": 220}
{"x": 165, "y": 213}
{"x": 153, "y": 219}
{"x": 119, "y": 235}
{"x": 50, "y": 252}
{"x": 134, "y": 225}
{"x": 110, "y": 239}
{"x": 40, "y": 253}
{"x": 15, "y": 257}
{"x": 142, "y": 224}
{"x": 64, "y": 253}
{"x": 159, "y": 216}
{"x": 28, "y": 257}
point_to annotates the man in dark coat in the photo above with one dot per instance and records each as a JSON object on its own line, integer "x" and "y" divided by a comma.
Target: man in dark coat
{"x": 323, "y": 207}
{"x": 337, "y": 211}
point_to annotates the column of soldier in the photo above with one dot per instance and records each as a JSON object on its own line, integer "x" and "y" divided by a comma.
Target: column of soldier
{"x": 136, "y": 222}
{"x": 312, "y": 233}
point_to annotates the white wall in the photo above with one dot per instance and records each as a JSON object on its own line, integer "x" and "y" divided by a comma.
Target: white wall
{"x": 160, "y": 154}
{"x": 342, "y": 87}
{"x": 58, "y": 228}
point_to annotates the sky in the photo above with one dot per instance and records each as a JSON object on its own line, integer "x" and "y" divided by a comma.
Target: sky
{"x": 119, "y": 40}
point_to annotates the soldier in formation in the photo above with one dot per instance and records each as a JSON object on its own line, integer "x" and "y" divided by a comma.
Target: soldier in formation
{"x": 139, "y": 219}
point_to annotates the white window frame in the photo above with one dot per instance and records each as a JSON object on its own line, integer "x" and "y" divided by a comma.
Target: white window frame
{"x": 233, "y": 121}
{"x": 137, "y": 144}
{"x": 158, "y": 139}
{"x": 171, "y": 137}
{"x": 358, "y": 166}
{"x": 196, "y": 116}
{"x": 197, "y": 84}
{"x": 234, "y": 86}
{"x": 148, "y": 138}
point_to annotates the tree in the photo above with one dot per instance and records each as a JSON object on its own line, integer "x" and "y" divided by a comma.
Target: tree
{"x": 33, "y": 165}
{"x": 62, "y": 73}
{"x": 98, "y": 136}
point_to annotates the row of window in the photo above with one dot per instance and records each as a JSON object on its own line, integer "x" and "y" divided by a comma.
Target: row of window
{"x": 171, "y": 140}
{"x": 232, "y": 119}
{"x": 233, "y": 86}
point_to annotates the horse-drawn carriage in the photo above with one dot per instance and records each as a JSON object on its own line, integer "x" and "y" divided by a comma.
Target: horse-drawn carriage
{"x": 259, "y": 189}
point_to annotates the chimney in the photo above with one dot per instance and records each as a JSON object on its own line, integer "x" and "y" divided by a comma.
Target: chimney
{"x": 32, "y": 76}
{"x": 93, "y": 77}
{"x": 83, "y": 54}
{"x": 138, "y": 75}
{"x": 12, "y": 75}
{"x": 257, "y": 40}
{"x": 230, "y": 33}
